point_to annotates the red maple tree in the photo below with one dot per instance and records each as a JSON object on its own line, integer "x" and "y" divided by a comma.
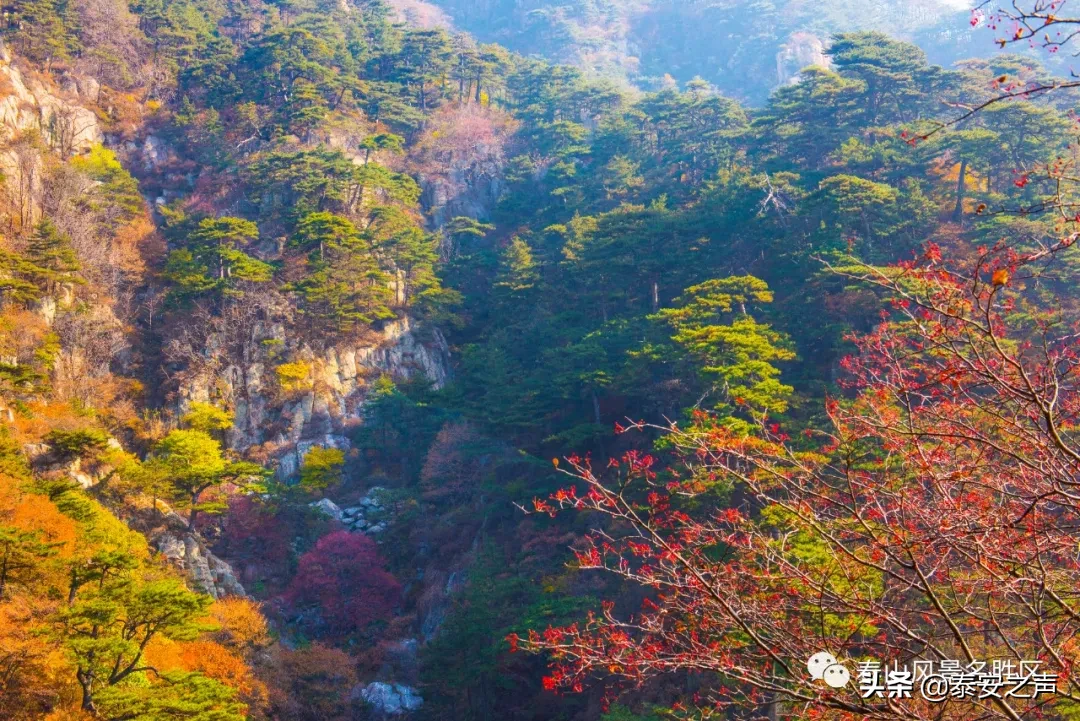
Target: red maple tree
{"x": 344, "y": 581}
{"x": 935, "y": 518}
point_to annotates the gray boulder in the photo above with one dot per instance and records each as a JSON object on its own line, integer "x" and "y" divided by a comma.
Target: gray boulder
{"x": 390, "y": 699}
{"x": 328, "y": 508}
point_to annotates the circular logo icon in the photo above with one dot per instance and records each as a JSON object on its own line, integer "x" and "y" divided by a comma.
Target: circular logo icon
{"x": 818, "y": 663}
{"x": 836, "y": 676}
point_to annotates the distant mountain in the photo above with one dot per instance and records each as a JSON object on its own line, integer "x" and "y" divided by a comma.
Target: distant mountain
{"x": 744, "y": 47}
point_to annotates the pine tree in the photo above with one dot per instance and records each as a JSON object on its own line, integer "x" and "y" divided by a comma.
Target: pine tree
{"x": 108, "y": 626}
{"x": 16, "y": 278}
{"x": 425, "y": 58}
{"x": 52, "y": 260}
{"x": 343, "y": 285}
{"x": 728, "y": 348}
{"x": 21, "y": 555}
{"x": 178, "y": 695}
{"x": 193, "y": 462}
{"x": 117, "y": 196}
{"x": 44, "y": 30}
{"x": 518, "y": 275}
{"x": 213, "y": 260}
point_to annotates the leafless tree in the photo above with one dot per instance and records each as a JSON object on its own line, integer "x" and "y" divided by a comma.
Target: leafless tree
{"x": 114, "y": 47}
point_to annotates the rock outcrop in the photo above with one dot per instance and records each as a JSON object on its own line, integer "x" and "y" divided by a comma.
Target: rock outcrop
{"x": 802, "y": 50}
{"x": 389, "y": 699}
{"x": 31, "y": 105}
{"x": 369, "y": 515}
{"x": 205, "y": 571}
{"x": 331, "y": 402}
{"x": 459, "y": 163}
{"x": 27, "y": 103}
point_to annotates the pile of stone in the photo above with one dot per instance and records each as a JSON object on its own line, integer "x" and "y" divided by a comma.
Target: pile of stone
{"x": 367, "y": 516}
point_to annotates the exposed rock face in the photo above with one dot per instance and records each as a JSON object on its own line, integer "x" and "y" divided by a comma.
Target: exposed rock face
{"x": 459, "y": 164}
{"x": 28, "y": 104}
{"x": 86, "y": 473}
{"x": 204, "y": 570}
{"x": 389, "y": 699}
{"x": 421, "y": 14}
{"x": 155, "y": 152}
{"x": 801, "y": 51}
{"x": 333, "y": 400}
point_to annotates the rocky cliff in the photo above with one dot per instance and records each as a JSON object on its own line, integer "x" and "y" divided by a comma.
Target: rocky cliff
{"x": 460, "y": 163}
{"x": 58, "y": 115}
{"x": 35, "y": 112}
{"x": 323, "y": 406}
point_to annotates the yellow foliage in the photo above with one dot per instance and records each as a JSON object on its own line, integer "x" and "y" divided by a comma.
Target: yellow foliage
{"x": 294, "y": 377}
{"x": 242, "y": 626}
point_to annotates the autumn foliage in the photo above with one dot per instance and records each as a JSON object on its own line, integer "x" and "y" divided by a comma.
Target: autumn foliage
{"x": 933, "y": 518}
{"x": 341, "y": 586}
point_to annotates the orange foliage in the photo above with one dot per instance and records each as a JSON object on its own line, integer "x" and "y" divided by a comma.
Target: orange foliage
{"x": 46, "y": 416}
{"x": 34, "y": 675}
{"x": 164, "y": 655}
{"x": 37, "y": 513}
{"x": 212, "y": 660}
{"x": 68, "y": 714}
{"x": 221, "y": 664}
{"x": 136, "y": 243}
{"x": 312, "y": 684}
{"x": 32, "y": 512}
{"x": 21, "y": 333}
{"x": 9, "y": 495}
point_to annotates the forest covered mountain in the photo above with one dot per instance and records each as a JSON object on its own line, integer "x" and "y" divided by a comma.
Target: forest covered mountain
{"x": 746, "y": 48}
{"x": 314, "y": 315}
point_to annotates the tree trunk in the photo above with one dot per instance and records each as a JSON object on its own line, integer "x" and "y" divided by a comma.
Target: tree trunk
{"x": 74, "y": 587}
{"x": 194, "y": 510}
{"x": 86, "y": 681}
{"x": 958, "y": 211}
{"x": 596, "y": 407}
